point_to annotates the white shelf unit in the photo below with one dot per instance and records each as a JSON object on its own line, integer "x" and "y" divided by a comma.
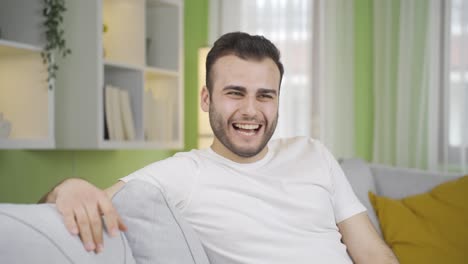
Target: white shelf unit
{"x": 25, "y": 99}
{"x": 141, "y": 51}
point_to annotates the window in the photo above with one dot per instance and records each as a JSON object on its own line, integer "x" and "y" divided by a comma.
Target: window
{"x": 456, "y": 91}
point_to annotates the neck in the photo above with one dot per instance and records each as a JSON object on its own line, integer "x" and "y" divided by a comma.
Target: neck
{"x": 220, "y": 149}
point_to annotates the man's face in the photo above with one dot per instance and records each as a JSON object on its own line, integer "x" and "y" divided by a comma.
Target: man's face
{"x": 243, "y": 107}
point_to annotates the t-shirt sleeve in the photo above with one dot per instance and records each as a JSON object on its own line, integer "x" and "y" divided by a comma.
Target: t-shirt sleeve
{"x": 174, "y": 176}
{"x": 345, "y": 202}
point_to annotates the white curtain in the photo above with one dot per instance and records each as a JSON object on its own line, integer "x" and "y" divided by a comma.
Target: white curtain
{"x": 406, "y": 56}
{"x": 316, "y": 42}
{"x": 455, "y": 133}
{"x": 334, "y": 78}
{"x": 417, "y": 109}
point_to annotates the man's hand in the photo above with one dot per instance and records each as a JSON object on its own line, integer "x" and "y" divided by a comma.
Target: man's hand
{"x": 84, "y": 208}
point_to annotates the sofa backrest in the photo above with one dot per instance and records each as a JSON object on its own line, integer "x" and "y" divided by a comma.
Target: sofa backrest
{"x": 398, "y": 183}
{"x": 388, "y": 181}
{"x": 362, "y": 181}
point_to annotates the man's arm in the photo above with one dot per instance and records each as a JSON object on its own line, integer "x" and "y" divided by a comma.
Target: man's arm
{"x": 363, "y": 242}
{"x": 83, "y": 206}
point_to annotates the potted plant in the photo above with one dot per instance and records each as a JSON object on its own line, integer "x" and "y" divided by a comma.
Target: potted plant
{"x": 53, "y": 13}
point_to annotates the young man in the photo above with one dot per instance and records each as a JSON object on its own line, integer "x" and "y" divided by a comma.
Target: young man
{"x": 245, "y": 196}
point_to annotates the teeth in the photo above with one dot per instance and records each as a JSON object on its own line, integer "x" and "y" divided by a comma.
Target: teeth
{"x": 249, "y": 133}
{"x": 247, "y": 126}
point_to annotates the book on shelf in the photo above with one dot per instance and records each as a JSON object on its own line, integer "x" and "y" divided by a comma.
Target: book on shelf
{"x": 154, "y": 120}
{"x": 127, "y": 117}
{"x": 150, "y": 126}
{"x": 159, "y": 114}
{"x": 109, "y": 119}
{"x": 118, "y": 114}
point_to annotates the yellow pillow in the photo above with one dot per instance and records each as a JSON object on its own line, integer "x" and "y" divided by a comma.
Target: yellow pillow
{"x": 427, "y": 228}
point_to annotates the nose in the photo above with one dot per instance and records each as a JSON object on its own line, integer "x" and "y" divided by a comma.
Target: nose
{"x": 249, "y": 106}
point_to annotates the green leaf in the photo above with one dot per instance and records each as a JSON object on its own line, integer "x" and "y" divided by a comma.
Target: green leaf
{"x": 56, "y": 44}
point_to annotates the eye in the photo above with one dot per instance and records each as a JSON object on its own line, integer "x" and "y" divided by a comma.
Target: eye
{"x": 265, "y": 96}
{"x": 234, "y": 93}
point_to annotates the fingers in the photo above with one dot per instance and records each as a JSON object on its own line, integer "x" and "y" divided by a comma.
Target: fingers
{"x": 95, "y": 226}
{"x": 86, "y": 221}
{"x": 122, "y": 225}
{"x": 84, "y": 228}
{"x": 111, "y": 218}
{"x": 69, "y": 219}
{"x": 83, "y": 206}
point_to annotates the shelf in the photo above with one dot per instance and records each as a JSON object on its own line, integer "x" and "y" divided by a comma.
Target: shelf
{"x": 22, "y": 21}
{"x": 157, "y": 72}
{"x": 163, "y": 34}
{"x": 123, "y": 65}
{"x": 25, "y": 98}
{"x": 132, "y": 81}
{"x": 161, "y": 116}
{"x": 141, "y": 51}
{"x": 124, "y": 40}
{"x": 159, "y": 3}
{"x": 26, "y": 143}
{"x": 139, "y": 145}
{"x": 27, "y": 103}
{"x": 8, "y": 47}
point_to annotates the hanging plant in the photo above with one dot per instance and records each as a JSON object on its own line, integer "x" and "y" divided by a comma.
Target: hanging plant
{"x": 53, "y": 10}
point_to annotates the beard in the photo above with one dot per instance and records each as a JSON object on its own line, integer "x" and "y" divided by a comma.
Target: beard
{"x": 218, "y": 125}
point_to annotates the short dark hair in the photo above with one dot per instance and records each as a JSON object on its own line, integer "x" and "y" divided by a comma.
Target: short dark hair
{"x": 244, "y": 46}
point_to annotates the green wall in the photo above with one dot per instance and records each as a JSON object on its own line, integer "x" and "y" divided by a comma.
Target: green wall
{"x": 26, "y": 175}
{"x": 363, "y": 80}
{"x": 196, "y": 36}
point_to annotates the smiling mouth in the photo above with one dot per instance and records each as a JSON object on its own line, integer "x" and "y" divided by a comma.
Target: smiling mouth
{"x": 247, "y": 129}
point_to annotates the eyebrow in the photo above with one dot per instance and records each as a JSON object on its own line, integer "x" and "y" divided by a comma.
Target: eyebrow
{"x": 235, "y": 87}
{"x": 267, "y": 91}
{"x": 243, "y": 89}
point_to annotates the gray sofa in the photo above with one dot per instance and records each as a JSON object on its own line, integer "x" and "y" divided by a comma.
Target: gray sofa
{"x": 157, "y": 233}
{"x": 389, "y": 181}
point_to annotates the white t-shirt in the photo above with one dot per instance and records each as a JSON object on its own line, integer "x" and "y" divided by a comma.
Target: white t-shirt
{"x": 281, "y": 209}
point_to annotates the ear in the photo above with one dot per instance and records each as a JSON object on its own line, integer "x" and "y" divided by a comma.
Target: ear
{"x": 205, "y": 99}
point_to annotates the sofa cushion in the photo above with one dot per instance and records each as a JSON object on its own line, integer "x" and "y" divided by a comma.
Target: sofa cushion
{"x": 429, "y": 227}
{"x": 360, "y": 177}
{"x": 157, "y": 233}
{"x": 36, "y": 234}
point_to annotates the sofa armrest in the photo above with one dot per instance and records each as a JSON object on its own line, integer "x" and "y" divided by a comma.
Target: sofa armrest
{"x": 35, "y": 233}
{"x": 157, "y": 232}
